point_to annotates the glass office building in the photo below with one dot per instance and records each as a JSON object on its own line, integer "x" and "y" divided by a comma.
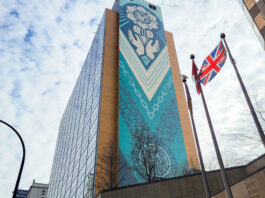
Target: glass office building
{"x": 74, "y": 160}
{"x": 130, "y": 81}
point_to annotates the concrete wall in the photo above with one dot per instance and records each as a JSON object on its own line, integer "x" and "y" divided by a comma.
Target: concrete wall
{"x": 243, "y": 185}
{"x": 255, "y": 165}
{"x": 251, "y": 187}
{"x": 181, "y": 187}
{"x": 186, "y": 187}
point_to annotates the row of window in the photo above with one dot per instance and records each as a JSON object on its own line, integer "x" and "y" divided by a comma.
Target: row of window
{"x": 73, "y": 167}
{"x": 252, "y": 23}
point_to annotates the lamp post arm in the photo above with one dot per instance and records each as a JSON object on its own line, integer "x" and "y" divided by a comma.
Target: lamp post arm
{"x": 23, "y": 158}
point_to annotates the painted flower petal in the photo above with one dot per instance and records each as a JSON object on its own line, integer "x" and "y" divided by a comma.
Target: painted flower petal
{"x": 139, "y": 8}
{"x": 153, "y": 25}
{"x": 131, "y": 16}
{"x": 130, "y": 8}
{"x": 142, "y": 25}
{"x": 137, "y": 29}
{"x": 149, "y": 34}
{"x": 152, "y": 17}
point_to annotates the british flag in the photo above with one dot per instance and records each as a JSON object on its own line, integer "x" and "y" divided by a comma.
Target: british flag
{"x": 213, "y": 63}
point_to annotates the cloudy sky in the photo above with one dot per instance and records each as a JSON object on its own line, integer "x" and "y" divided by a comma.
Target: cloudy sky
{"x": 43, "y": 45}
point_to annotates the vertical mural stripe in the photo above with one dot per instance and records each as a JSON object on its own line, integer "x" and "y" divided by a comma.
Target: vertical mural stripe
{"x": 147, "y": 99}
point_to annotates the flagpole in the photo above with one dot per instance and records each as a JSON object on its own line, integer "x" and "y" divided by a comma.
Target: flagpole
{"x": 256, "y": 120}
{"x": 205, "y": 182}
{"x": 219, "y": 157}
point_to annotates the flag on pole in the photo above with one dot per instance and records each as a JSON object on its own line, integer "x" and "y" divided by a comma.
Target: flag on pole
{"x": 188, "y": 97}
{"x": 213, "y": 63}
{"x": 195, "y": 77}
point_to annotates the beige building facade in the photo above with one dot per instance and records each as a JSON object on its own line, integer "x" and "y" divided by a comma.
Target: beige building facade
{"x": 255, "y": 13}
{"x": 108, "y": 128}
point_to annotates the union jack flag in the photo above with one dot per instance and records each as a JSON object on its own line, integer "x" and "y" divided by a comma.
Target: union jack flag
{"x": 213, "y": 63}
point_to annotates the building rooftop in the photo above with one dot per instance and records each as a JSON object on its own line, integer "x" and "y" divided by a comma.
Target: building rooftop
{"x": 39, "y": 185}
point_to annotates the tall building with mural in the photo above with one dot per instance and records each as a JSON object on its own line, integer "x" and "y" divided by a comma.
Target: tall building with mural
{"x": 255, "y": 13}
{"x": 130, "y": 84}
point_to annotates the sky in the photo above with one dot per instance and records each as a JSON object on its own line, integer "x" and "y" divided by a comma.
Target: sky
{"x": 43, "y": 45}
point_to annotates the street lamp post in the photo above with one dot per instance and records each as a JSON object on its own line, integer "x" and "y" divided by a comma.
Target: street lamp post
{"x": 23, "y": 158}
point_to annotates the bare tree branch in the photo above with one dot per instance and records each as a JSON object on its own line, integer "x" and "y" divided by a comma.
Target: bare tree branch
{"x": 191, "y": 168}
{"x": 109, "y": 166}
{"x": 247, "y": 135}
{"x": 146, "y": 151}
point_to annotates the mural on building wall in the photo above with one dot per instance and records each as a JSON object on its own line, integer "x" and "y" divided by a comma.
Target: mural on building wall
{"x": 147, "y": 100}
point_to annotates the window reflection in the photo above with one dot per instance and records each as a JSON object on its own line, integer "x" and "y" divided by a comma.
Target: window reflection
{"x": 73, "y": 167}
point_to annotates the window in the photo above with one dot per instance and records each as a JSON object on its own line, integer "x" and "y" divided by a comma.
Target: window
{"x": 43, "y": 192}
{"x": 152, "y": 7}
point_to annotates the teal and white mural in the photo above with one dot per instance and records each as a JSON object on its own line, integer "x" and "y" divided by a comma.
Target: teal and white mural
{"x": 147, "y": 100}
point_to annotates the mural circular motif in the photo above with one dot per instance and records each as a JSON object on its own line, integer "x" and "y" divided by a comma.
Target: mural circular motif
{"x": 162, "y": 160}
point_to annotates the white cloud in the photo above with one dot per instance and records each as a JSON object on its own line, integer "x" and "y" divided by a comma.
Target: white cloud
{"x": 42, "y": 48}
{"x": 204, "y": 21}
{"x": 38, "y": 71}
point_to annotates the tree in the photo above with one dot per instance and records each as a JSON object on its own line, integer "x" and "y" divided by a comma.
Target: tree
{"x": 230, "y": 159}
{"x": 191, "y": 168}
{"x": 109, "y": 167}
{"x": 146, "y": 148}
{"x": 259, "y": 106}
{"x": 247, "y": 135}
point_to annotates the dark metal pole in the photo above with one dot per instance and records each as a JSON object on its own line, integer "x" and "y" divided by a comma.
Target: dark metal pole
{"x": 23, "y": 158}
{"x": 205, "y": 182}
{"x": 256, "y": 120}
{"x": 219, "y": 157}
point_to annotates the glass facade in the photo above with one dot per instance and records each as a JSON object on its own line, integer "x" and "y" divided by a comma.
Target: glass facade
{"x": 22, "y": 193}
{"x": 73, "y": 168}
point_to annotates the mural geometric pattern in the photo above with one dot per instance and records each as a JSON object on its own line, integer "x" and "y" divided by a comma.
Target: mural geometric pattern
{"x": 147, "y": 99}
